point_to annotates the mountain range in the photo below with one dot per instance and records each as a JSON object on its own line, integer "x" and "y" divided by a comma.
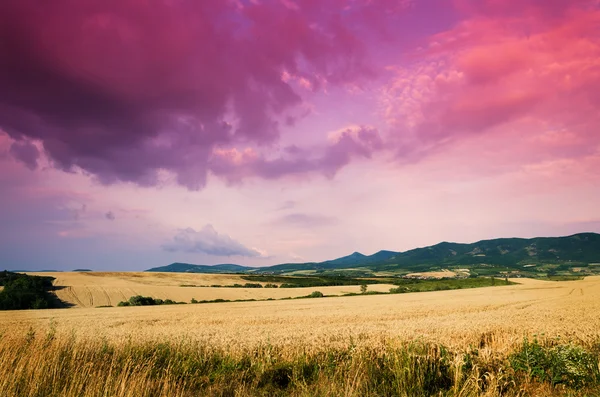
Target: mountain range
{"x": 541, "y": 255}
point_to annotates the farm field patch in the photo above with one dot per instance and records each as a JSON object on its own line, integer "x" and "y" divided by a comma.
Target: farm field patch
{"x": 93, "y": 289}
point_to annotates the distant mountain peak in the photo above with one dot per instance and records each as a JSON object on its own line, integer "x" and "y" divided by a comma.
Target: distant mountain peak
{"x": 508, "y": 254}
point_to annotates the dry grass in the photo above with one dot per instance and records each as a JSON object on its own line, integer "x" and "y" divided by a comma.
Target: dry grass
{"x": 49, "y": 365}
{"x": 92, "y": 289}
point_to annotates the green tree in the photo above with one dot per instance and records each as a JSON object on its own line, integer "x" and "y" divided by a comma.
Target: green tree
{"x": 363, "y": 288}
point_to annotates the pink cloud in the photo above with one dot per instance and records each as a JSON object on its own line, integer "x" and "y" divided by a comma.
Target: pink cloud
{"x": 122, "y": 90}
{"x": 542, "y": 10}
{"x": 525, "y": 71}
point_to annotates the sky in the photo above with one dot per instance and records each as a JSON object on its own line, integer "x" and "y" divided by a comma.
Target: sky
{"x": 134, "y": 133}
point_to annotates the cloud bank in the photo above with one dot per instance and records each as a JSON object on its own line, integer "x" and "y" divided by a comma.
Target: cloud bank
{"x": 208, "y": 241}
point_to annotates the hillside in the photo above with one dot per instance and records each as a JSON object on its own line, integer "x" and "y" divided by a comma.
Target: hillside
{"x": 535, "y": 257}
{"x": 550, "y": 255}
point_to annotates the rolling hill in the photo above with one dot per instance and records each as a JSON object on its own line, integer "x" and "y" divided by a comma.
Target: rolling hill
{"x": 540, "y": 256}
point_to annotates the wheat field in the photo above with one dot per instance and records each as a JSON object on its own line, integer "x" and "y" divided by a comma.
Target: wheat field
{"x": 470, "y": 342}
{"x": 93, "y": 289}
{"x": 569, "y": 309}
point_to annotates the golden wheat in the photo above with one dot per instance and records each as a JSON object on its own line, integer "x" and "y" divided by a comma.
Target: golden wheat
{"x": 92, "y": 289}
{"x": 458, "y": 318}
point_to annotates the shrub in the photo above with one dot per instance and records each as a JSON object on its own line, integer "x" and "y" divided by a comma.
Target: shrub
{"x": 253, "y": 285}
{"x": 139, "y": 300}
{"x": 288, "y": 285}
{"x": 316, "y": 294}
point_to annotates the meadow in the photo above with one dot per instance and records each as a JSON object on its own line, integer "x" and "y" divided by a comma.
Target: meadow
{"x": 534, "y": 338}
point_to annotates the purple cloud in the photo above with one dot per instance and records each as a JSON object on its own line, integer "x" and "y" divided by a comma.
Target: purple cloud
{"x": 122, "y": 90}
{"x": 26, "y": 152}
{"x": 350, "y": 144}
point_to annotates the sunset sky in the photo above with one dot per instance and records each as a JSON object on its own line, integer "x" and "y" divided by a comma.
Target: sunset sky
{"x": 137, "y": 133}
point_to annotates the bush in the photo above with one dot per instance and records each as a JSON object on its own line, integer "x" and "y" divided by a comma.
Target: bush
{"x": 139, "y": 300}
{"x": 253, "y": 285}
{"x": 316, "y": 294}
{"x": 22, "y": 291}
